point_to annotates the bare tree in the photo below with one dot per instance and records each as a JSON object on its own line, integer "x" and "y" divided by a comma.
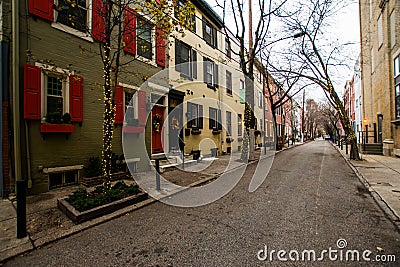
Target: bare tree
{"x": 250, "y": 44}
{"x": 316, "y": 58}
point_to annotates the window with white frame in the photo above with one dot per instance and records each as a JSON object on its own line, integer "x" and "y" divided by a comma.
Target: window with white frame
{"x": 380, "y": 31}
{"x": 55, "y": 93}
{"x": 210, "y": 73}
{"x": 185, "y": 59}
{"x": 229, "y": 82}
{"x": 144, "y": 39}
{"x": 242, "y": 92}
{"x": 228, "y": 123}
{"x": 240, "y": 124}
{"x": 194, "y": 115}
{"x": 392, "y": 29}
{"x": 260, "y": 99}
{"x": 209, "y": 33}
{"x": 74, "y": 14}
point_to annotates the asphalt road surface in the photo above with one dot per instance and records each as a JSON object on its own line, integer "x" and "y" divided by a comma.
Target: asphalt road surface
{"x": 309, "y": 201}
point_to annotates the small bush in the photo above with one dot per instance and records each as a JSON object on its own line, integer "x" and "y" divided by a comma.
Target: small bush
{"x": 93, "y": 167}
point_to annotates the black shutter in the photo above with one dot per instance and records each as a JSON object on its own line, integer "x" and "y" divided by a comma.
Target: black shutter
{"x": 214, "y": 37}
{"x": 177, "y": 55}
{"x": 205, "y": 62}
{"x": 200, "y": 117}
{"x": 189, "y": 115}
{"x": 210, "y": 118}
{"x": 219, "y": 120}
{"x": 216, "y": 75}
{"x": 194, "y": 64}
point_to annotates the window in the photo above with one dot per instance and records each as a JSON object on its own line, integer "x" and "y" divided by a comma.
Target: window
{"x": 73, "y": 14}
{"x": 260, "y": 99}
{"x": 144, "y": 44}
{"x": 380, "y": 31}
{"x": 214, "y": 121}
{"x": 58, "y": 179}
{"x": 194, "y": 115}
{"x": 240, "y": 124}
{"x": 228, "y": 82}
{"x": 370, "y": 9}
{"x": 396, "y": 66}
{"x": 185, "y": 60}
{"x": 372, "y": 61}
{"x": 210, "y": 73}
{"x": 397, "y": 92}
{"x": 228, "y": 123}
{"x": 190, "y": 23}
{"x": 242, "y": 92}
{"x": 228, "y": 51}
{"x": 209, "y": 33}
{"x": 392, "y": 29}
{"x": 55, "y": 93}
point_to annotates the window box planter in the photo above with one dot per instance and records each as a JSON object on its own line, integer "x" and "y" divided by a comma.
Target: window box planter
{"x": 56, "y": 128}
{"x": 196, "y": 131}
{"x": 133, "y": 129}
{"x": 215, "y": 132}
{"x": 229, "y": 140}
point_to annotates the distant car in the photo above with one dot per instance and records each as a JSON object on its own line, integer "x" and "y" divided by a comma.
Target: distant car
{"x": 327, "y": 137}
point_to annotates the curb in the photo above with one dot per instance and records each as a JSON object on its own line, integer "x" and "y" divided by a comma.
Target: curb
{"x": 377, "y": 198}
{"x": 48, "y": 238}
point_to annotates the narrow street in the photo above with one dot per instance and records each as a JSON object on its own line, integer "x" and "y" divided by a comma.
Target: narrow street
{"x": 310, "y": 200}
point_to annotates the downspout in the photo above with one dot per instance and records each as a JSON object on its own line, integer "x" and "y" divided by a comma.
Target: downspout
{"x": 15, "y": 90}
{"x": 28, "y": 157}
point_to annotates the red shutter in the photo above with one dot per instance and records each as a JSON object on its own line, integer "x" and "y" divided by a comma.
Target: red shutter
{"x": 98, "y": 21}
{"x": 142, "y": 108}
{"x": 160, "y": 48}
{"x": 42, "y": 9}
{"x": 32, "y": 96}
{"x": 130, "y": 31}
{"x": 158, "y": 1}
{"x": 76, "y": 98}
{"x": 119, "y": 105}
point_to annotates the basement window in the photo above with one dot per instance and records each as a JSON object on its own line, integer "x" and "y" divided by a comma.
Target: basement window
{"x": 59, "y": 179}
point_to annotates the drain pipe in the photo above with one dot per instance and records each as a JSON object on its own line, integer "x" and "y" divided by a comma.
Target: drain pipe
{"x": 15, "y": 90}
{"x": 28, "y": 157}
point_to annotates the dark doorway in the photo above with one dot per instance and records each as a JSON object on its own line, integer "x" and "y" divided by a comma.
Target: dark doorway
{"x": 175, "y": 120}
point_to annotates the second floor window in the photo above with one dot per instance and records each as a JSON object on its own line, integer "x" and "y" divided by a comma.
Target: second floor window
{"x": 209, "y": 33}
{"x": 144, "y": 45}
{"x": 228, "y": 51}
{"x": 73, "y": 14}
{"x": 210, "y": 73}
{"x": 242, "y": 92}
{"x": 240, "y": 124}
{"x": 185, "y": 60}
{"x": 228, "y": 123}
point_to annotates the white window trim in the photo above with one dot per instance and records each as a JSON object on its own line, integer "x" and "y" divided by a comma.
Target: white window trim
{"x": 153, "y": 41}
{"x": 43, "y": 89}
{"x": 67, "y": 29}
{"x": 135, "y": 102}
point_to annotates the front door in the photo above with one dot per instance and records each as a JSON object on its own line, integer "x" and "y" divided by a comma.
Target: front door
{"x": 157, "y": 119}
{"x": 380, "y": 118}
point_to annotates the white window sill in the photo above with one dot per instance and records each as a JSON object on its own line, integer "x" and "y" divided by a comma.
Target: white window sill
{"x": 147, "y": 61}
{"x": 64, "y": 28}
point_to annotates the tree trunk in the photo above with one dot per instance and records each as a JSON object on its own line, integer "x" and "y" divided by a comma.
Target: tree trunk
{"x": 108, "y": 119}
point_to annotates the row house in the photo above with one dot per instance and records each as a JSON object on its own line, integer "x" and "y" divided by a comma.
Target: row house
{"x": 348, "y": 101}
{"x": 380, "y": 70}
{"x": 60, "y": 74}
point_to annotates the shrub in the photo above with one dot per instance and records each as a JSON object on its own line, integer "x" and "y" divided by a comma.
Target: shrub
{"x": 93, "y": 167}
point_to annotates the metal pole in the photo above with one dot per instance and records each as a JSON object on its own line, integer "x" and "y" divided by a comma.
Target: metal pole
{"x": 21, "y": 208}
{"x": 347, "y": 148}
{"x": 158, "y": 186}
{"x": 15, "y": 90}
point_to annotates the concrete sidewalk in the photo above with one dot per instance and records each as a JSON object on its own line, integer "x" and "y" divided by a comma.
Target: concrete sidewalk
{"x": 381, "y": 175}
{"x": 46, "y": 224}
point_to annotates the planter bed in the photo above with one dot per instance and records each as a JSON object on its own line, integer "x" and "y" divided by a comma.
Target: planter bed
{"x": 78, "y": 217}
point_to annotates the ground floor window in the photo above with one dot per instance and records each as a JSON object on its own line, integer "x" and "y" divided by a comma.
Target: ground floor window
{"x": 58, "y": 179}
